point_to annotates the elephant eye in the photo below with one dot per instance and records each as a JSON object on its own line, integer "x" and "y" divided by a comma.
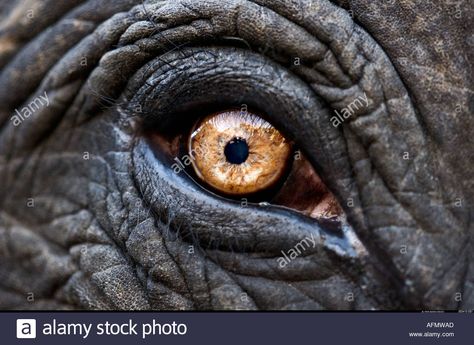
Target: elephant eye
{"x": 242, "y": 157}
{"x": 238, "y": 153}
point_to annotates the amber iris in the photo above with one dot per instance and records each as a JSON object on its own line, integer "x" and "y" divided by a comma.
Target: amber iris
{"x": 238, "y": 153}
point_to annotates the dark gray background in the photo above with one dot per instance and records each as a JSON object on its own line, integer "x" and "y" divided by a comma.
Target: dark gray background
{"x": 256, "y": 328}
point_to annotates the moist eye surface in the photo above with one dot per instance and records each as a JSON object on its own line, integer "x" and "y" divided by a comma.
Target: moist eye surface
{"x": 238, "y": 153}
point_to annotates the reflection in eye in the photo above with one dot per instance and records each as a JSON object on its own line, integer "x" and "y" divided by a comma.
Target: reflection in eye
{"x": 238, "y": 153}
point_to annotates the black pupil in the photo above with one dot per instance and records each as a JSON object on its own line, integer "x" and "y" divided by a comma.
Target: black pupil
{"x": 236, "y": 151}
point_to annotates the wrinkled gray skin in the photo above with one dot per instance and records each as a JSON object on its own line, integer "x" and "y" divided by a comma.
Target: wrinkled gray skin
{"x": 90, "y": 218}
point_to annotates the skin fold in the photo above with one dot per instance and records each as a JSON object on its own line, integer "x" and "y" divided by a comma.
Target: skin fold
{"x": 91, "y": 217}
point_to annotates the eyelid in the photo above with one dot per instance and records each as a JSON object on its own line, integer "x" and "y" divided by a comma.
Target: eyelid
{"x": 302, "y": 189}
{"x": 233, "y": 224}
{"x": 176, "y": 84}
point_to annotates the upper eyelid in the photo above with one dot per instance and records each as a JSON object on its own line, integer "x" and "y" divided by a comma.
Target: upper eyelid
{"x": 284, "y": 97}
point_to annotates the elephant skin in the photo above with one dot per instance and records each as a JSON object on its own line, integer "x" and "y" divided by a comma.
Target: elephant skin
{"x": 92, "y": 218}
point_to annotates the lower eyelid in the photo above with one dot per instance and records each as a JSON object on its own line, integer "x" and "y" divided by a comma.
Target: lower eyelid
{"x": 211, "y": 220}
{"x": 302, "y": 191}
